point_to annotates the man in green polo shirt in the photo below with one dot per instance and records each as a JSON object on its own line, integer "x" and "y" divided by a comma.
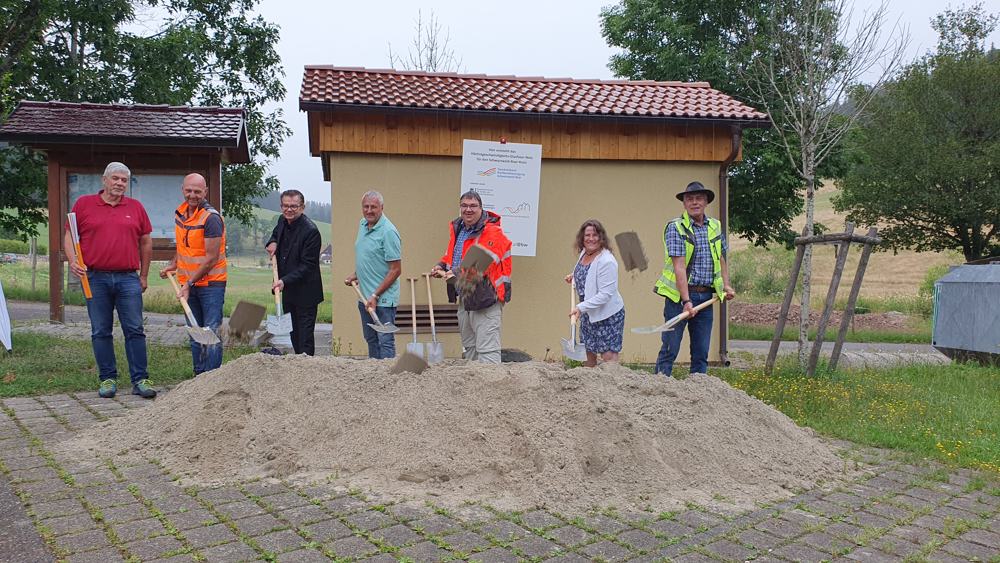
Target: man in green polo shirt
{"x": 377, "y": 264}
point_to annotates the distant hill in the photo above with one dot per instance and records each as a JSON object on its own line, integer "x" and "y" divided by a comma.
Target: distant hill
{"x": 272, "y": 216}
{"x": 314, "y": 209}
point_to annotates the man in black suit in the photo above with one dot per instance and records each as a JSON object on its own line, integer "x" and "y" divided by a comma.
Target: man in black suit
{"x": 296, "y": 243}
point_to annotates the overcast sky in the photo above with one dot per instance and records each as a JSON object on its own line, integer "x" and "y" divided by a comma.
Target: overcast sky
{"x": 520, "y": 37}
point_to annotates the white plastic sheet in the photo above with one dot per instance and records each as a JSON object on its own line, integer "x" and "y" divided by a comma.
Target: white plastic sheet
{"x": 4, "y": 320}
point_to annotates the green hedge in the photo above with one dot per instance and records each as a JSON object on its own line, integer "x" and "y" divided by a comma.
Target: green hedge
{"x": 20, "y": 247}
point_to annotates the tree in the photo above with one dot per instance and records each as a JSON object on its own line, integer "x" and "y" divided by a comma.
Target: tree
{"x": 714, "y": 41}
{"x": 189, "y": 52}
{"x": 929, "y": 154}
{"x": 430, "y": 49}
{"x": 816, "y": 53}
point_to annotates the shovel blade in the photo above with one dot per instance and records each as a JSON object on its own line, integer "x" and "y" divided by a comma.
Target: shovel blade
{"x": 651, "y": 329}
{"x": 203, "y": 336}
{"x": 415, "y": 348}
{"x": 409, "y": 362}
{"x": 246, "y": 318}
{"x": 574, "y": 351}
{"x": 279, "y": 324}
{"x": 435, "y": 352}
{"x": 385, "y": 328}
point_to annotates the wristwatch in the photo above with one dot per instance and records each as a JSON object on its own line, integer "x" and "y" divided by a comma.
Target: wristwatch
{"x": 685, "y": 301}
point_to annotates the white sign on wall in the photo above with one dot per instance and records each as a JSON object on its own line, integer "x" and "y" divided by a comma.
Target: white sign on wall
{"x": 507, "y": 176}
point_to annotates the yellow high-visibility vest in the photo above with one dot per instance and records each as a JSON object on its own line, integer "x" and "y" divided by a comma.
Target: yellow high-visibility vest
{"x": 667, "y": 284}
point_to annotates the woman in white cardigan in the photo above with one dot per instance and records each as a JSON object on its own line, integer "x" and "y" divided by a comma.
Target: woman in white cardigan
{"x": 601, "y": 308}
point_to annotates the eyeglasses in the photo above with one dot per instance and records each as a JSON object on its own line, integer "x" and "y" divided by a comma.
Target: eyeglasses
{"x": 294, "y": 206}
{"x": 469, "y": 206}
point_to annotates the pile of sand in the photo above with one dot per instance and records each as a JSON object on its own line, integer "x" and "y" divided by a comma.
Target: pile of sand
{"x": 515, "y": 435}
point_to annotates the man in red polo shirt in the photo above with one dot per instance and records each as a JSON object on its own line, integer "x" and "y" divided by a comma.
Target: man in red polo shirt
{"x": 116, "y": 246}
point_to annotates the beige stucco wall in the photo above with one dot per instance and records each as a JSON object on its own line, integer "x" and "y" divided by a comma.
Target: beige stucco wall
{"x": 421, "y": 197}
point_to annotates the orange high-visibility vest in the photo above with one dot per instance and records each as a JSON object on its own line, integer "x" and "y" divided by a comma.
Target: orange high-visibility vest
{"x": 190, "y": 236}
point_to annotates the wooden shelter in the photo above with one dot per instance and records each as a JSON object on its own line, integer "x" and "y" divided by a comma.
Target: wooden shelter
{"x": 615, "y": 150}
{"x": 159, "y": 144}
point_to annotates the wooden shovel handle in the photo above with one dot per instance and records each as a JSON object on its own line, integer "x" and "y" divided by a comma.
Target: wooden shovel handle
{"x": 184, "y": 304}
{"x": 572, "y": 304}
{"x": 430, "y": 301}
{"x": 687, "y": 314}
{"x": 361, "y": 296}
{"x": 413, "y": 306}
{"x": 275, "y": 278}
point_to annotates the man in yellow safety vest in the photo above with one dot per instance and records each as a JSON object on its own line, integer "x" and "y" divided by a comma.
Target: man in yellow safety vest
{"x": 694, "y": 269}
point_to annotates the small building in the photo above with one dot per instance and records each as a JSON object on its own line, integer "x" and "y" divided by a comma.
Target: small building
{"x": 615, "y": 150}
{"x": 160, "y": 145}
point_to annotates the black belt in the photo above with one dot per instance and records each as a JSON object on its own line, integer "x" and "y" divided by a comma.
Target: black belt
{"x": 112, "y": 271}
{"x": 701, "y": 289}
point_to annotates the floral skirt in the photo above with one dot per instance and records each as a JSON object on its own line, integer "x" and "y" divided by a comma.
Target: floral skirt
{"x": 603, "y": 336}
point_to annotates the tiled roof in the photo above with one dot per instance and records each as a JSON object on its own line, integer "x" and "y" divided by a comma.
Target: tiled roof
{"x": 325, "y": 86}
{"x": 63, "y": 122}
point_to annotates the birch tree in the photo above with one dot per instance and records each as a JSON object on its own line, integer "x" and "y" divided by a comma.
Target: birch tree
{"x": 430, "y": 49}
{"x": 818, "y": 52}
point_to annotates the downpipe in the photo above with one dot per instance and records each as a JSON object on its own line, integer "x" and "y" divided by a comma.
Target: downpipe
{"x": 736, "y": 138}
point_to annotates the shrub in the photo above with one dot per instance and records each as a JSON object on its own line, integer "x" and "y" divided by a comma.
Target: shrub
{"x": 933, "y": 274}
{"x": 20, "y": 247}
{"x": 760, "y": 272}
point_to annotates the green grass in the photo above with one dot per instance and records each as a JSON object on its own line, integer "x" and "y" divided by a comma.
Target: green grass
{"x": 41, "y": 364}
{"x": 919, "y": 334}
{"x": 245, "y": 284}
{"x": 943, "y": 412}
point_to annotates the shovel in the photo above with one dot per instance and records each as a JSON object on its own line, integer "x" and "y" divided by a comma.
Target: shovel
{"x": 415, "y": 348}
{"x": 571, "y": 349}
{"x": 435, "y": 350}
{"x": 470, "y": 271}
{"x": 378, "y": 325}
{"x": 669, "y": 325}
{"x": 279, "y": 324}
{"x": 202, "y": 336}
{"x": 75, "y": 235}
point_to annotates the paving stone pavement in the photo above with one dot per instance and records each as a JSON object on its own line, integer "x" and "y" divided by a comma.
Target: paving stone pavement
{"x": 88, "y": 509}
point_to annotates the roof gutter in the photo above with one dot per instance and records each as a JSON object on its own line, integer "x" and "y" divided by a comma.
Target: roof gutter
{"x": 398, "y": 110}
{"x": 736, "y": 140}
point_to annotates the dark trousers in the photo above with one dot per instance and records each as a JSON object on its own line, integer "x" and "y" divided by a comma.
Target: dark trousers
{"x": 303, "y": 328}
{"x": 700, "y": 329}
{"x": 117, "y": 291}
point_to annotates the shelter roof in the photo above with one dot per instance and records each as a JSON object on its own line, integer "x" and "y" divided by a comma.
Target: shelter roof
{"x": 41, "y": 123}
{"x": 329, "y": 87}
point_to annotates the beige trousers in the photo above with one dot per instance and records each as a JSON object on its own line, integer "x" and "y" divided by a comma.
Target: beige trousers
{"x": 481, "y": 333}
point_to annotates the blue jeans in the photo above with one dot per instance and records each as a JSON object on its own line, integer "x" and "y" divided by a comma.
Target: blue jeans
{"x": 206, "y": 304}
{"x": 380, "y": 346}
{"x": 119, "y": 291}
{"x": 700, "y": 328}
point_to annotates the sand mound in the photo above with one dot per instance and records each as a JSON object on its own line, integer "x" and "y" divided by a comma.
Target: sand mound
{"x": 516, "y": 435}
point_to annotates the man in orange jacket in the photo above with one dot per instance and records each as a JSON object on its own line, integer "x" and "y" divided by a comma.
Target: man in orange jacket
{"x": 481, "y": 301}
{"x": 200, "y": 264}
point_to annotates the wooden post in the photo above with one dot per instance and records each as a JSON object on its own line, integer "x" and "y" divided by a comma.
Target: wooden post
{"x": 831, "y": 297}
{"x": 34, "y": 262}
{"x": 57, "y": 216}
{"x": 848, "y": 317}
{"x": 779, "y": 328}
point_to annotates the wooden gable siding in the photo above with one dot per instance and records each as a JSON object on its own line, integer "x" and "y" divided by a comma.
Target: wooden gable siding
{"x": 442, "y": 135}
